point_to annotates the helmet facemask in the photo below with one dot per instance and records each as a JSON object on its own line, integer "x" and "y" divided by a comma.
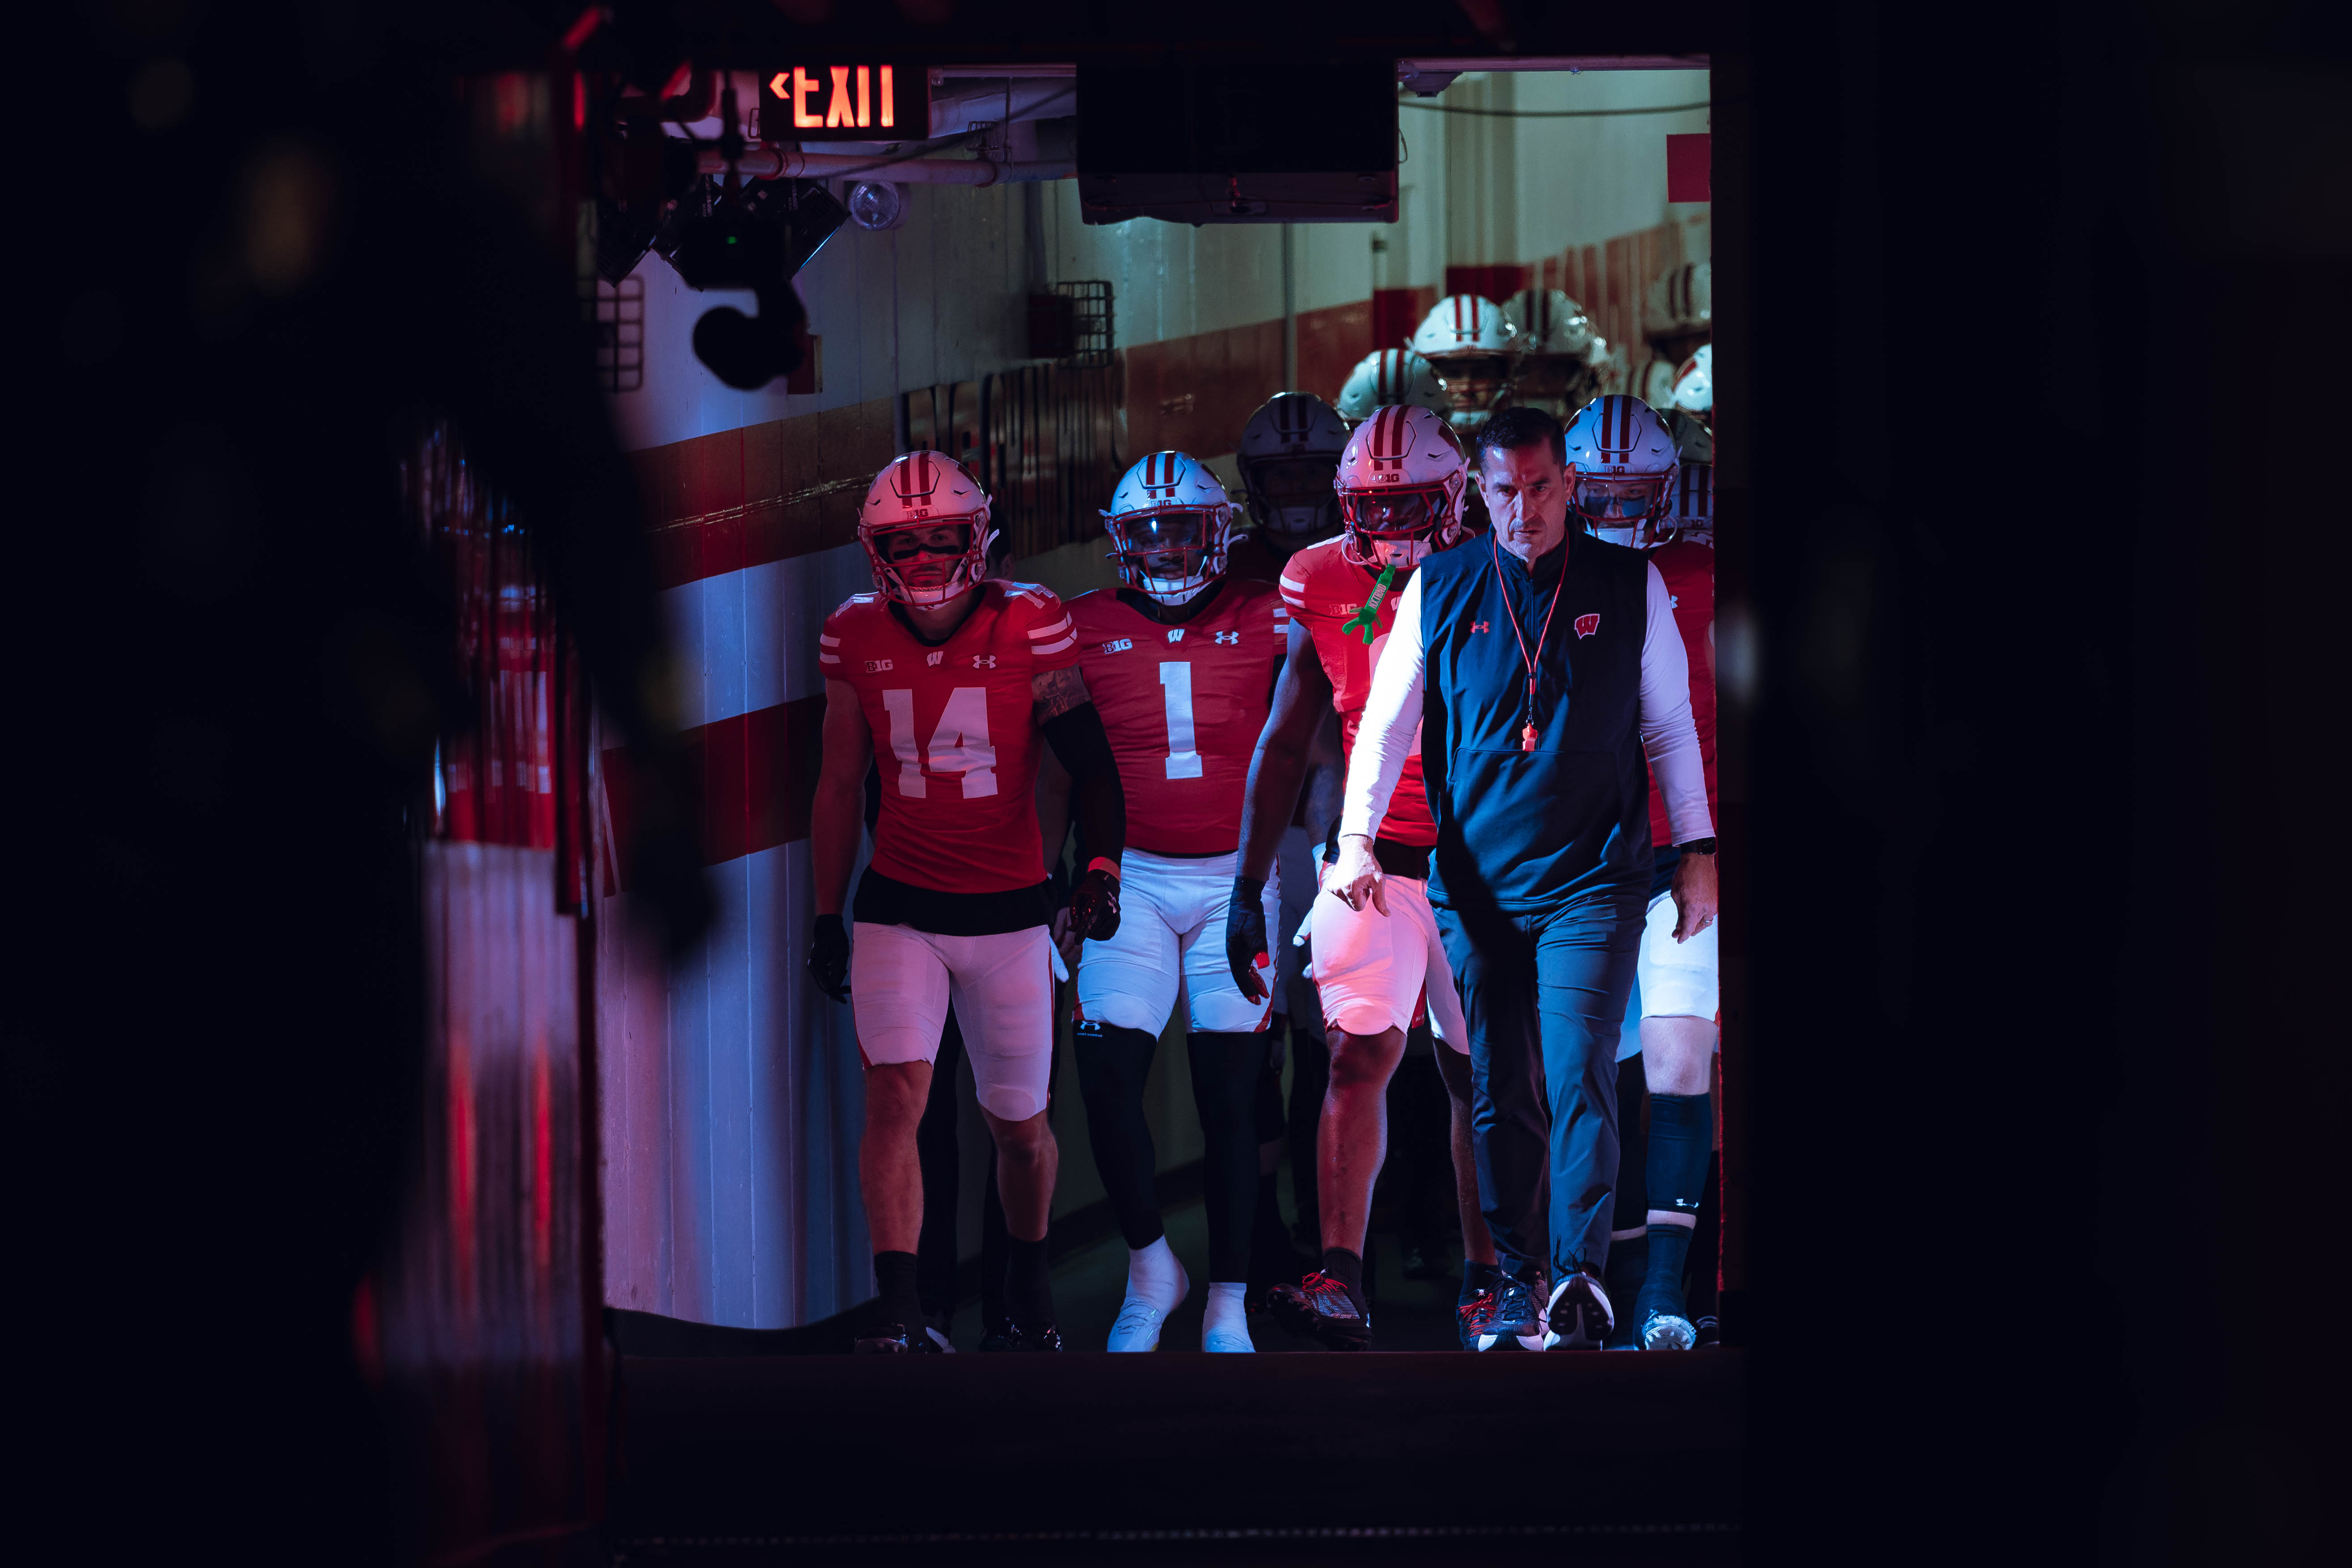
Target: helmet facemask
{"x": 1397, "y": 527}
{"x": 1623, "y": 508}
{"x": 927, "y": 562}
{"x": 1291, "y": 497}
{"x": 1169, "y": 555}
{"x": 1476, "y": 383}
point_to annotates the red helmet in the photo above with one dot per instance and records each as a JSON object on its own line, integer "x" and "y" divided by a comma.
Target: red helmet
{"x": 918, "y": 492}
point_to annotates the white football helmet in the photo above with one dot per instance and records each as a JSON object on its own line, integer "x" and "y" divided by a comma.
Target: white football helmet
{"x": 1693, "y": 515}
{"x": 1400, "y": 484}
{"x": 1621, "y": 464}
{"x": 1170, "y": 524}
{"x": 917, "y": 494}
{"x": 1658, "y": 384}
{"x": 1476, "y": 351}
{"x": 1682, "y": 301}
{"x": 1288, "y": 453}
{"x": 1392, "y": 376}
{"x": 1694, "y": 390}
{"x": 1549, "y": 322}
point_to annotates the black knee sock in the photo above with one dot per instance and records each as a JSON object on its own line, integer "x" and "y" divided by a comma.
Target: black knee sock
{"x": 1028, "y": 1283}
{"x": 1271, "y": 1259}
{"x": 1681, "y": 1137}
{"x": 1348, "y": 1268}
{"x": 1225, "y": 1072}
{"x": 935, "y": 1147}
{"x": 1112, "y": 1066}
{"x": 893, "y": 1280}
{"x": 993, "y": 1237}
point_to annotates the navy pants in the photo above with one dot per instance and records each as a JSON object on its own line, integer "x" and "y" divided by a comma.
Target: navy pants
{"x": 1544, "y": 998}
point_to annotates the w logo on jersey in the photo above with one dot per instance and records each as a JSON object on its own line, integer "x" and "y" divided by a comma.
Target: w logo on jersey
{"x": 934, "y": 658}
{"x": 1229, "y": 636}
{"x": 1587, "y": 625}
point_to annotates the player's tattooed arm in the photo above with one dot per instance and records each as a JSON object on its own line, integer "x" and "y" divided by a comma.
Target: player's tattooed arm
{"x": 1056, "y": 692}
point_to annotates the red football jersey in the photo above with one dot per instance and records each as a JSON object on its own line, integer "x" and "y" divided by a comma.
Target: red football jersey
{"x": 1183, "y": 706}
{"x": 1689, "y": 571}
{"x": 954, "y": 735}
{"x": 1324, "y": 589}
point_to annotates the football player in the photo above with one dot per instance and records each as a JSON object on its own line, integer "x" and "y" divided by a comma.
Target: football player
{"x": 1180, "y": 659}
{"x": 1660, "y": 1186}
{"x": 1563, "y": 357}
{"x": 952, "y": 681}
{"x": 1287, "y": 453}
{"x": 1400, "y": 485}
{"x": 1386, "y": 377}
{"x": 1476, "y": 348}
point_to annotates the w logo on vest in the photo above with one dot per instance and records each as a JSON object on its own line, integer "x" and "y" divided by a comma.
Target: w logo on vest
{"x": 1587, "y": 625}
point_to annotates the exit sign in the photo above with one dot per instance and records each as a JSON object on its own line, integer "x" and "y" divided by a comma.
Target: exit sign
{"x": 870, "y": 101}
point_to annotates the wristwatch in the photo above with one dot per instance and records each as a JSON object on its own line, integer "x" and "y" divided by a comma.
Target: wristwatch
{"x": 1697, "y": 847}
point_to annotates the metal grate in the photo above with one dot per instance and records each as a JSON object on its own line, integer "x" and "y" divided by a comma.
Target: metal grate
{"x": 1090, "y": 334}
{"x": 1052, "y": 454}
{"x": 621, "y": 334}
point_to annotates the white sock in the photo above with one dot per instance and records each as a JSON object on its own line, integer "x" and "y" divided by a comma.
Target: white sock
{"x": 1153, "y": 1275}
{"x": 1226, "y": 1326}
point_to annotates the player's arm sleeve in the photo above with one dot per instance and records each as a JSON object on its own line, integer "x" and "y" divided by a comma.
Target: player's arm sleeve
{"x": 1668, "y": 737}
{"x": 1391, "y": 714}
{"x": 1083, "y": 748}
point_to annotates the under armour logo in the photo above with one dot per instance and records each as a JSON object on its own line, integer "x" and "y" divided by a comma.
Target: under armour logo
{"x": 983, "y": 661}
{"x": 1229, "y": 636}
{"x": 1118, "y": 645}
{"x": 1481, "y": 626}
{"x": 1176, "y": 635}
{"x": 933, "y": 657}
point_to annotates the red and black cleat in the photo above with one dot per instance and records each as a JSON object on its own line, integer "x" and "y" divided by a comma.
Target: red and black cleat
{"x": 1321, "y": 1308}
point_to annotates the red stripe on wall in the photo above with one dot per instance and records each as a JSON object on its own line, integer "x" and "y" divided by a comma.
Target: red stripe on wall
{"x": 722, "y": 502}
{"x": 758, "y": 773}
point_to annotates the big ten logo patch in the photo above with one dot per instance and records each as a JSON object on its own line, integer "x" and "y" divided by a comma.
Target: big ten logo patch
{"x": 877, "y": 666}
{"x": 1118, "y": 645}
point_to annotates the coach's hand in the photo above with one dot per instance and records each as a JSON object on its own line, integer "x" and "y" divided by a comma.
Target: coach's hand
{"x": 1247, "y": 949}
{"x": 1694, "y": 898}
{"x": 1094, "y": 902}
{"x": 829, "y": 957}
{"x": 1355, "y": 878}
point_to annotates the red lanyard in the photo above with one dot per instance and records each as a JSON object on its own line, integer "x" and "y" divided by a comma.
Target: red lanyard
{"x": 1526, "y": 735}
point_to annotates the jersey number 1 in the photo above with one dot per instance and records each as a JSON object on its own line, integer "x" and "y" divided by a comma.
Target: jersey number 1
{"x": 960, "y": 746}
{"x": 1176, "y": 691}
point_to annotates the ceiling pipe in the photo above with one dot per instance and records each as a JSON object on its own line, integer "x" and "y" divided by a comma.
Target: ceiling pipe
{"x": 763, "y": 162}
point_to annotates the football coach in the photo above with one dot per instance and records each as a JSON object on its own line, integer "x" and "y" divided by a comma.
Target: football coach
{"x": 1535, "y": 667}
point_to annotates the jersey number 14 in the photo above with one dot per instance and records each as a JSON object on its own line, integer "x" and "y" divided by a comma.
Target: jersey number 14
{"x": 960, "y": 746}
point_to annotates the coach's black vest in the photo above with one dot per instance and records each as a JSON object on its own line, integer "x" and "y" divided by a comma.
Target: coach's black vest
{"x": 1522, "y": 831}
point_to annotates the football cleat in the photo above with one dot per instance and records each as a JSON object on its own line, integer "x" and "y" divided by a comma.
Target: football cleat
{"x": 1029, "y": 1337}
{"x": 1667, "y": 1331}
{"x": 1516, "y": 1322}
{"x": 1320, "y": 1308}
{"x": 1706, "y": 1332}
{"x": 884, "y": 1339}
{"x": 1137, "y": 1327}
{"x": 1579, "y": 1317}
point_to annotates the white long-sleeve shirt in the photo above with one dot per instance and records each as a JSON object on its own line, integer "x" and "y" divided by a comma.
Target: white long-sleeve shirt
{"x": 1392, "y": 714}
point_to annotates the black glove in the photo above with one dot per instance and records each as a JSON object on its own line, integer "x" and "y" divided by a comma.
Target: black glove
{"x": 829, "y": 957}
{"x": 1093, "y": 904}
{"x": 1247, "y": 949}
